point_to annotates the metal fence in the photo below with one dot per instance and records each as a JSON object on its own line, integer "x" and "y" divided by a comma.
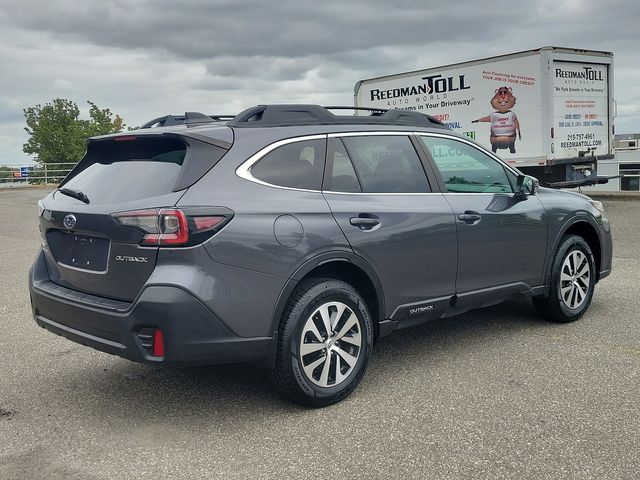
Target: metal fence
{"x": 46, "y": 174}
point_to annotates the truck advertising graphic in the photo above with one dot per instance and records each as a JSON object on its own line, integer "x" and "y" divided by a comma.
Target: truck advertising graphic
{"x": 547, "y": 111}
{"x": 580, "y": 107}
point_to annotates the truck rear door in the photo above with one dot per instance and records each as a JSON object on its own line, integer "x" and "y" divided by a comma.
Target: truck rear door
{"x": 581, "y": 105}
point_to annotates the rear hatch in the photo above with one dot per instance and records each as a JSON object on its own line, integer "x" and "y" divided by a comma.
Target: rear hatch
{"x": 93, "y": 247}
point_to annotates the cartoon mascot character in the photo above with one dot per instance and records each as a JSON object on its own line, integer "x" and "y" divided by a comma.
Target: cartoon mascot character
{"x": 504, "y": 123}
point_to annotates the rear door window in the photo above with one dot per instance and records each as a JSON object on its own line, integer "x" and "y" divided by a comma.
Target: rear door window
{"x": 386, "y": 164}
{"x": 294, "y": 165}
{"x": 343, "y": 176}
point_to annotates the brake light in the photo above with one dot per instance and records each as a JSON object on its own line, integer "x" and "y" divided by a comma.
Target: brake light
{"x": 169, "y": 226}
{"x": 206, "y": 223}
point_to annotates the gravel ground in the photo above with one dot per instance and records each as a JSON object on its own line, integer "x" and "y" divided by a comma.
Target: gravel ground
{"x": 491, "y": 394}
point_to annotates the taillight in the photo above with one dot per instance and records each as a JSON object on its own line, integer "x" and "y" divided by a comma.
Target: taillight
{"x": 171, "y": 229}
{"x": 206, "y": 223}
{"x": 170, "y": 226}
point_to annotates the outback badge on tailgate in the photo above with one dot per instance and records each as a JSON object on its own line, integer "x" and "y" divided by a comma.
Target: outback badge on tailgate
{"x": 126, "y": 258}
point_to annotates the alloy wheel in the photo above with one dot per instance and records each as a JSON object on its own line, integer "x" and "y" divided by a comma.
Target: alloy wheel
{"x": 330, "y": 344}
{"x": 575, "y": 278}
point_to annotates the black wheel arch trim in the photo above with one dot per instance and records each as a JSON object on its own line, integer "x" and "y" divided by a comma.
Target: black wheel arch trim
{"x": 581, "y": 217}
{"x": 306, "y": 268}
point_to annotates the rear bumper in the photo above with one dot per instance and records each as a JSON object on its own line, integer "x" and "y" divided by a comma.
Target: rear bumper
{"x": 193, "y": 334}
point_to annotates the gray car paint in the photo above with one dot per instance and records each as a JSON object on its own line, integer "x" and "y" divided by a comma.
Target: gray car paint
{"x": 121, "y": 281}
{"x": 508, "y": 228}
{"x": 490, "y": 251}
{"x": 563, "y": 210}
{"x": 412, "y": 246}
{"x": 242, "y": 298}
{"x": 243, "y": 271}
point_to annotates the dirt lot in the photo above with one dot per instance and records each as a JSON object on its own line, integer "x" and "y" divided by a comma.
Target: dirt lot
{"x": 491, "y": 394}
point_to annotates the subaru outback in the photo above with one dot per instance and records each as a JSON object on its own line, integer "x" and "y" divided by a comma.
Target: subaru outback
{"x": 294, "y": 237}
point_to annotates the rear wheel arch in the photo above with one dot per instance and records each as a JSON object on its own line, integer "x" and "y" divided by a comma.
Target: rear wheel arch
{"x": 324, "y": 343}
{"x": 344, "y": 266}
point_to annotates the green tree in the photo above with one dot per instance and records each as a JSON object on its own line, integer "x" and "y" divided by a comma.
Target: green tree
{"x": 57, "y": 133}
{"x": 6, "y": 173}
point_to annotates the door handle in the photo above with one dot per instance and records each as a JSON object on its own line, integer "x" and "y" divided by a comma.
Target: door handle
{"x": 470, "y": 217}
{"x": 363, "y": 222}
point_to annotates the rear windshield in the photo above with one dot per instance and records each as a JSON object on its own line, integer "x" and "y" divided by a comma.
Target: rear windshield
{"x": 122, "y": 171}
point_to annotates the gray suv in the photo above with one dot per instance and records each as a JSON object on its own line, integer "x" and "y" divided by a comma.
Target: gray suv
{"x": 293, "y": 237}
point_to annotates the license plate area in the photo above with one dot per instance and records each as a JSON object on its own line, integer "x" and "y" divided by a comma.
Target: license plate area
{"x": 84, "y": 252}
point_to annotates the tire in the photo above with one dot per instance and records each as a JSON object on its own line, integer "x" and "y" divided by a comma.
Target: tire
{"x": 309, "y": 379}
{"x": 570, "y": 288}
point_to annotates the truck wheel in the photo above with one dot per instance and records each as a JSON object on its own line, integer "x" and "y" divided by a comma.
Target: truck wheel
{"x": 571, "y": 283}
{"x": 324, "y": 343}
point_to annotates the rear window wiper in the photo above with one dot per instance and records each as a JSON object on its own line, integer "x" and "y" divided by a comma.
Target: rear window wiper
{"x": 77, "y": 194}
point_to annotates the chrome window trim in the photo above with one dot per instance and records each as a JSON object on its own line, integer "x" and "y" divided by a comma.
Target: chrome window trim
{"x": 244, "y": 170}
{"x": 478, "y": 193}
{"x": 377, "y": 133}
{"x": 382, "y": 193}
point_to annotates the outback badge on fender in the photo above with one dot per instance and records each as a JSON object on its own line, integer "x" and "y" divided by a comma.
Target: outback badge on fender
{"x": 69, "y": 222}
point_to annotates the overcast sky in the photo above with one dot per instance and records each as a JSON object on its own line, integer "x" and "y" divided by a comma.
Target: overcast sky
{"x": 144, "y": 58}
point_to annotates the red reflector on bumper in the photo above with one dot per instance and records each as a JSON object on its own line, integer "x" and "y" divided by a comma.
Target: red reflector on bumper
{"x": 158, "y": 343}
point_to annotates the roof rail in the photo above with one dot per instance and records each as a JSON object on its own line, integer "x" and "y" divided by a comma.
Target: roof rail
{"x": 374, "y": 111}
{"x": 189, "y": 118}
{"x": 289, "y": 115}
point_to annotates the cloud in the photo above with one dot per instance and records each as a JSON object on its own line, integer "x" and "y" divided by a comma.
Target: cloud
{"x": 205, "y": 29}
{"x": 147, "y": 58}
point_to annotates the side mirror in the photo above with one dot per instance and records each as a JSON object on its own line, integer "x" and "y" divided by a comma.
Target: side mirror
{"x": 526, "y": 185}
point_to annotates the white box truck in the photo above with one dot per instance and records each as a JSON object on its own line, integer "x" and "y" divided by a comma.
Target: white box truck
{"x": 548, "y": 111}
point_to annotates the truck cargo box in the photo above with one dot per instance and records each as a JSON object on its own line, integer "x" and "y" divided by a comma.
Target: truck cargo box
{"x": 547, "y": 111}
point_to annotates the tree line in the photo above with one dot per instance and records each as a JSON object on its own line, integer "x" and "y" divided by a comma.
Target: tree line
{"x": 57, "y": 134}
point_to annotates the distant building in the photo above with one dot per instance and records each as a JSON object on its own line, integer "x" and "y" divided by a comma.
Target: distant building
{"x": 626, "y": 163}
{"x": 626, "y": 141}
